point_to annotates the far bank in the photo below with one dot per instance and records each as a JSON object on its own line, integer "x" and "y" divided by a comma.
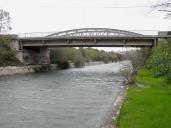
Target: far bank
{"x": 13, "y": 70}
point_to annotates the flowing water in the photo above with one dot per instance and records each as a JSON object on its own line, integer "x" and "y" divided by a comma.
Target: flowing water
{"x": 73, "y": 98}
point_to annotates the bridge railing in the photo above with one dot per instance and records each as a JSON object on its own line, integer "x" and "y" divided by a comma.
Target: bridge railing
{"x": 34, "y": 34}
{"x": 44, "y": 34}
{"x": 146, "y": 32}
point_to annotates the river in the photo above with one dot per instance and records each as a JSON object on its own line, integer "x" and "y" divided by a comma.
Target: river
{"x": 73, "y": 98}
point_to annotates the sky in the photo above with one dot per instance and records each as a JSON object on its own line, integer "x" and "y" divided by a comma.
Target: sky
{"x": 58, "y": 15}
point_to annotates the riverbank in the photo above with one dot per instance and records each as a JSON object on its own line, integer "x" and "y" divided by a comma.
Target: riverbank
{"x": 147, "y": 105}
{"x": 108, "y": 123}
{"x": 12, "y": 70}
{"x": 71, "y": 65}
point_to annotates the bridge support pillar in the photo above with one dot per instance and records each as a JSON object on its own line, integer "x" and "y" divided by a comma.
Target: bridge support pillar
{"x": 32, "y": 55}
{"x": 15, "y": 45}
{"x": 155, "y": 42}
{"x": 40, "y": 55}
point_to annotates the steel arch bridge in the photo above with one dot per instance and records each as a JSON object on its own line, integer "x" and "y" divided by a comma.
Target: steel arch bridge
{"x": 39, "y": 45}
{"x": 89, "y": 37}
{"x": 94, "y": 32}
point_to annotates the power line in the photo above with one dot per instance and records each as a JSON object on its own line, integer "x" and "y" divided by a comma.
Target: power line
{"x": 115, "y": 7}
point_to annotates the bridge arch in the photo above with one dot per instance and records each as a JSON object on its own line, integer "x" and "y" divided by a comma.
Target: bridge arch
{"x": 94, "y": 32}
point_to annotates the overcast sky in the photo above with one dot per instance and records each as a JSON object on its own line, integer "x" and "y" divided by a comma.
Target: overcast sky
{"x": 58, "y": 15}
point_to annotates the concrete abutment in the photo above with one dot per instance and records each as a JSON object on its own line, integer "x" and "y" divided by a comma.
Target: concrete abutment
{"x": 31, "y": 55}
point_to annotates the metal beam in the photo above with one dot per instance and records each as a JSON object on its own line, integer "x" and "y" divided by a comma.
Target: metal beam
{"x": 88, "y": 42}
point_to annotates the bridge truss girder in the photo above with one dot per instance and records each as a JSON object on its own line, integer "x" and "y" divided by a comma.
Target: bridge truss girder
{"x": 94, "y": 32}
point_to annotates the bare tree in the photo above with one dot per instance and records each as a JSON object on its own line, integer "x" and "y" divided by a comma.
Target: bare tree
{"x": 137, "y": 60}
{"x": 164, "y": 6}
{"x": 5, "y": 21}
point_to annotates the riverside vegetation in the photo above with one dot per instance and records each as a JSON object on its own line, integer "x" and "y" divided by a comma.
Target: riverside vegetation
{"x": 148, "y": 100}
{"x": 64, "y": 56}
{"x": 7, "y": 55}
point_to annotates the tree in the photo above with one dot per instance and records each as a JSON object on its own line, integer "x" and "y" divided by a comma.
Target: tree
{"x": 7, "y": 55}
{"x": 164, "y": 6}
{"x": 160, "y": 60}
{"x": 5, "y": 21}
{"x": 137, "y": 60}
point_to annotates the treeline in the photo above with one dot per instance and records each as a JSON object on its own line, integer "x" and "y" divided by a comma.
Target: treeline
{"x": 7, "y": 55}
{"x": 64, "y": 56}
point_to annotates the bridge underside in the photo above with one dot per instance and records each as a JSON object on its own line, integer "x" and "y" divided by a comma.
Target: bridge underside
{"x": 36, "y": 55}
{"x": 89, "y": 42}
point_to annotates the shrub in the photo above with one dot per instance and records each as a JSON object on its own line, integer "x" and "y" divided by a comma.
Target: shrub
{"x": 106, "y": 60}
{"x": 138, "y": 59}
{"x": 63, "y": 65}
{"x": 79, "y": 62}
{"x": 160, "y": 60}
{"x": 126, "y": 72}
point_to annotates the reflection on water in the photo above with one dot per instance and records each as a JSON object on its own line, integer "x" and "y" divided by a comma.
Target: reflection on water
{"x": 74, "y": 98}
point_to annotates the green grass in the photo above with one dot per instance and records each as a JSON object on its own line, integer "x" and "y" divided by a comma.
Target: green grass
{"x": 148, "y": 106}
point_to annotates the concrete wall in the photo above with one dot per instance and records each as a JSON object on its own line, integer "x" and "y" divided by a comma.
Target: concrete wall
{"x": 11, "y": 70}
{"x": 19, "y": 52}
{"x": 36, "y": 56}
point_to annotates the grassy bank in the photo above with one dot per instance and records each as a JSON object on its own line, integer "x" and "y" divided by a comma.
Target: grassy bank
{"x": 147, "y": 106}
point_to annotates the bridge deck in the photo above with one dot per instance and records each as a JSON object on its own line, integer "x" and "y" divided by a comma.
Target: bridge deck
{"x": 110, "y": 41}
